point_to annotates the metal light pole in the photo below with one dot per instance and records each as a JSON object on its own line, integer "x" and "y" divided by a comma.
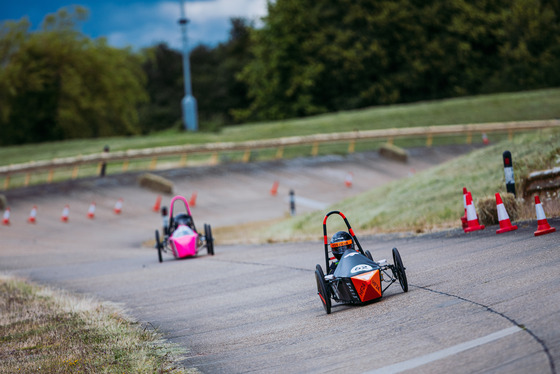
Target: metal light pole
{"x": 188, "y": 104}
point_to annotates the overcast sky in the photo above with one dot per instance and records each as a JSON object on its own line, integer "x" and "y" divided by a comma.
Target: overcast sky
{"x": 144, "y": 23}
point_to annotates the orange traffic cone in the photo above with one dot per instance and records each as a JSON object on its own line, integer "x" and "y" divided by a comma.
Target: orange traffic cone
{"x": 464, "y": 217}
{"x": 33, "y": 215}
{"x": 192, "y": 201}
{"x": 485, "y": 139}
{"x": 6, "y": 219}
{"x": 91, "y": 211}
{"x": 157, "y": 205}
{"x": 274, "y": 189}
{"x": 472, "y": 218}
{"x": 543, "y": 226}
{"x": 118, "y": 206}
{"x": 348, "y": 180}
{"x": 503, "y": 217}
{"x": 65, "y": 213}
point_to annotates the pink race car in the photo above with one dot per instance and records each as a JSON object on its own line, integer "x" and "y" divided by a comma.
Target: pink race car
{"x": 180, "y": 235}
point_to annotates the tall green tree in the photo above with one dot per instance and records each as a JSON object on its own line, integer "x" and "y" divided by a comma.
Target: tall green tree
{"x": 312, "y": 57}
{"x": 214, "y": 76}
{"x": 163, "y": 67}
{"x": 531, "y": 46}
{"x": 60, "y": 84}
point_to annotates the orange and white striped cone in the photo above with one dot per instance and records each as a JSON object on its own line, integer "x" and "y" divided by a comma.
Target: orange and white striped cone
{"x": 274, "y": 189}
{"x": 348, "y": 180}
{"x": 464, "y": 217}
{"x": 6, "y": 219}
{"x": 65, "y": 213}
{"x": 192, "y": 201}
{"x": 91, "y": 211}
{"x": 485, "y": 139}
{"x": 543, "y": 226}
{"x": 157, "y": 205}
{"x": 33, "y": 215}
{"x": 503, "y": 217}
{"x": 472, "y": 218}
{"x": 118, "y": 206}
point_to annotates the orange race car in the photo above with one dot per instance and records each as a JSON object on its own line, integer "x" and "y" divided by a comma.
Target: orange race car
{"x": 353, "y": 277}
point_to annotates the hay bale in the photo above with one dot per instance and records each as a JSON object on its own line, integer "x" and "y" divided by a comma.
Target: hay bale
{"x": 487, "y": 210}
{"x": 155, "y": 183}
{"x": 3, "y": 202}
{"x": 393, "y": 152}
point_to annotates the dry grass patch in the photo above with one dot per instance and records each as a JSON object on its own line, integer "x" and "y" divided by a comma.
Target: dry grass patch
{"x": 487, "y": 209}
{"x": 47, "y": 331}
{"x": 517, "y": 209}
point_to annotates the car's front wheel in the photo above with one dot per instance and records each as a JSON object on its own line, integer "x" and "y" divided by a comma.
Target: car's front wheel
{"x": 400, "y": 269}
{"x": 159, "y": 246}
{"x": 323, "y": 289}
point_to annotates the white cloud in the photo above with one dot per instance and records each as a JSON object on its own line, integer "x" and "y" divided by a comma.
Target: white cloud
{"x": 141, "y": 25}
{"x": 226, "y": 9}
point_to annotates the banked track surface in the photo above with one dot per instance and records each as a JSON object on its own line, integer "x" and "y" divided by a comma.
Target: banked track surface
{"x": 477, "y": 303}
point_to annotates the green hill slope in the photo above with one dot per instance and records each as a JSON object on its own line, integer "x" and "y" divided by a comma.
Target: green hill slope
{"x": 433, "y": 199}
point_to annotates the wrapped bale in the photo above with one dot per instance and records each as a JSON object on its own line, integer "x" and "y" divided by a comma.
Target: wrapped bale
{"x": 393, "y": 152}
{"x": 155, "y": 183}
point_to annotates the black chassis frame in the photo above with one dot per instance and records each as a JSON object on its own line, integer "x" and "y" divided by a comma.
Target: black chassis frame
{"x": 342, "y": 289}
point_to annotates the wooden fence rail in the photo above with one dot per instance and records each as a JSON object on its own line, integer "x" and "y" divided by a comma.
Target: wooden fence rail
{"x": 278, "y": 143}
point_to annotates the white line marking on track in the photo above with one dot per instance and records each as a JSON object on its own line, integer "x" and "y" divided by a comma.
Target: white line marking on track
{"x": 422, "y": 360}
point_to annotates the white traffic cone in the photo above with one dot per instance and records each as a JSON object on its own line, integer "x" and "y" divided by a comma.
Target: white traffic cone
{"x": 348, "y": 180}
{"x": 472, "y": 218}
{"x": 65, "y": 213}
{"x": 33, "y": 215}
{"x": 118, "y": 206}
{"x": 543, "y": 226}
{"x": 91, "y": 211}
{"x": 503, "y": 217}
{"x": 6, "y": 219}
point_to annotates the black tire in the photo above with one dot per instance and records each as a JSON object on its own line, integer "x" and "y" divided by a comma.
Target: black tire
{"x": 159, "y": 246}
{"x": 322, "y": 289}
{"x": 368, "y": 255}
{"x": 400, "y": 270}
{"x": 209, "y": 239}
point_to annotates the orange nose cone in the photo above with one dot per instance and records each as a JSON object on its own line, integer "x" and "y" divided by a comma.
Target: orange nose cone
{"x": 368, "y": 285}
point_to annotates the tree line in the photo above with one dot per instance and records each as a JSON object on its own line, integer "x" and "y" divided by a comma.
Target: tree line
{"x": 306, "y": 58}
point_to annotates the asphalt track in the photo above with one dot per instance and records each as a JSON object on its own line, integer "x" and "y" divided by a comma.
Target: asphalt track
{"x": 478, "y": 302}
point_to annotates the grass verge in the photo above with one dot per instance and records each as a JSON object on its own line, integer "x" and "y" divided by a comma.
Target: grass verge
{"x": 48, "y": 331}
{"x": 433, "y": 200}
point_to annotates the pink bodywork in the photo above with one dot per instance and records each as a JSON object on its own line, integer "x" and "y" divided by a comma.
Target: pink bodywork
{"x": 183, "y": 240}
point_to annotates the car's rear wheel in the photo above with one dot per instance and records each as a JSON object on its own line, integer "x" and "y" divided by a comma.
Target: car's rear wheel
{"x": 400, "y": 269}
{"x": 209, "y": 239}
{"x": 159, "y": 246}
{"x": 323, "y": 289}
{"x": 368, "y": 255}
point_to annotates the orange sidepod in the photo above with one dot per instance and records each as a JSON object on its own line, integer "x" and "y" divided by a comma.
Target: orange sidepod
{"x": 368, "y": 285}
